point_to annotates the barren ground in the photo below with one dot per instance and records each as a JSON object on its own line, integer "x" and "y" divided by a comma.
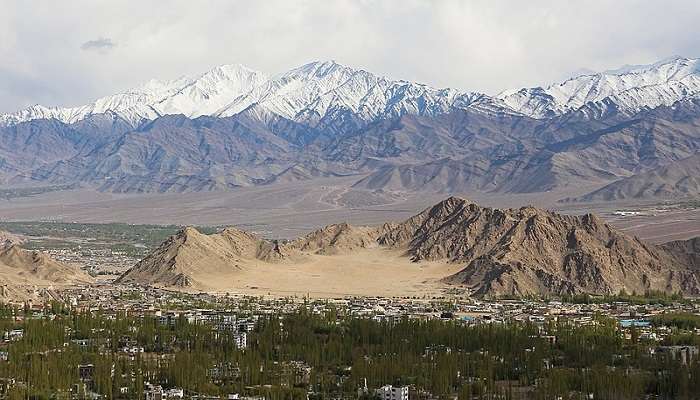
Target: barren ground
{"x": 369, "y": 272}
{"x": 293, "y": 209}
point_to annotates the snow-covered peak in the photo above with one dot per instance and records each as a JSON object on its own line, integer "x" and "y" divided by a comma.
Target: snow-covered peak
{"x": 630, "y": 88}
{"x": 210, "y": 91}
{"x": 320, "y": 70}
{"x": 321, "y": 90}
{"x": 192, "y": 96}
{"x": 324, "y": 90}
{"x": 626, "y": 69}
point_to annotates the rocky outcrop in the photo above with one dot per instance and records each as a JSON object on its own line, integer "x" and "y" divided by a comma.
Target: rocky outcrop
{"x": 531, "y": 251}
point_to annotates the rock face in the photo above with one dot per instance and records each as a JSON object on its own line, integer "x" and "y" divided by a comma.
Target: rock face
{"x": 686, "y": 251}
{"x": 503, "y": 252}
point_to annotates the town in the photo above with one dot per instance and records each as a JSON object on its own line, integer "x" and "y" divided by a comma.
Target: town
{"x": 113, "y": 341}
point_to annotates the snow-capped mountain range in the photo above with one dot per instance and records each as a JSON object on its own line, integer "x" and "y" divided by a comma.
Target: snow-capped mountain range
{"x": 323, "y": 89}
{"x": 631, "y": 89}
{"x": 306, "y": 93}
{"x": 191, "y": 96}
{"x": 232, "y": 127}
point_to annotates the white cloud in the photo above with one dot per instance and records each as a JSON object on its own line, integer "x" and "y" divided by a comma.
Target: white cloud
{"x": 477, "y": 45}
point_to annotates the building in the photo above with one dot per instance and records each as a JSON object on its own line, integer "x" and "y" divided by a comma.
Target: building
{"x": 174, "y": 393}
{"x": 389, "y": 392}
{"x": 86, "y": 372}
{"x": 245, "y": 325}
{"x": 227, "y": 323}
{"x": 241, "y": 339}
{"x": 153, "y": 392}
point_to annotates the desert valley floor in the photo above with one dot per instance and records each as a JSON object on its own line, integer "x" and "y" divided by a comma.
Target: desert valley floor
{"x": 318, "y": 276}
{"x": 292, "y": 209}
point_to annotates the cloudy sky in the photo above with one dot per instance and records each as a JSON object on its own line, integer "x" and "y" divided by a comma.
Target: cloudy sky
{"x": 70, "y": 52}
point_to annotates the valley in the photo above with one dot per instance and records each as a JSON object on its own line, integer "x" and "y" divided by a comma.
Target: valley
{"x": 285, "y": 210}
{"x": 349, "y": 200}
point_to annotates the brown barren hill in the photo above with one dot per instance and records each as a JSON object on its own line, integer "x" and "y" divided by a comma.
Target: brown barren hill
{"x": 22, "y": 271}
{"x": 189, "y": 254}
{"x": 486, "y": 251}
{"x": 532, "y": 251}
{"x": 336, "y": 239}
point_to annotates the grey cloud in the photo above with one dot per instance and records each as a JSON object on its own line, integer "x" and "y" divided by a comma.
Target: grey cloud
{"x": 101, "y": 44}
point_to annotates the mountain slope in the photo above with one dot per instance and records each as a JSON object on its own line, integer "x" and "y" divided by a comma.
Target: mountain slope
{"x": 686, "y": 251}
{"x": 672, "y": 181}
{"x": 464, "y": 151}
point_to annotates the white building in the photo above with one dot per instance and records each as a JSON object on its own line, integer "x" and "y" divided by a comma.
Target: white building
{"x": 389, "y": 392}
{"x": 174, "y": 393}
{"x": 241, "y": 339}
{"x": 153, "y": 392}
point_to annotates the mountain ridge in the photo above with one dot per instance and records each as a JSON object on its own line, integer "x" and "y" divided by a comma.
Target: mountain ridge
{"x": 499, "y": 252}
{"x": 675, "y": 180}
{"x": 309, "y": 91}
{"x": 324, "y": 119}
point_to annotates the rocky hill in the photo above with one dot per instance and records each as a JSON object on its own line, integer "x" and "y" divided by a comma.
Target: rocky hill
{"x": 183, "y": 257}
{"x": 8, "y": 239}
{"x": 500, "y": 252}
{"x": 527, "y": 250}
{"x": 23, "y": 271}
